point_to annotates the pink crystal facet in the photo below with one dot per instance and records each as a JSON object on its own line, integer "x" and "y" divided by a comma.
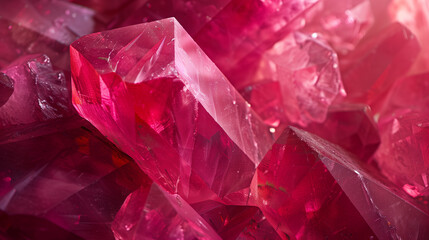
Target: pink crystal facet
{"x": 155, "y": 214}
{"x": 308, "y": 79}
{"x": 342, "y": 23}
{"x": 300, "y": 197}
{"x": 41, "y": 26}
{"x": 162, "y": 101}
{"x": 244, "y": 26}
{"x": 403, "y": 156}
{"x": 73, "y": 179}
{"x": 39, "y": 93}
{"x": 389, "y": 212}
{"x": 372, "y": 68}
{"x": 183, "y": 10}
{"x": 352, "y": 128}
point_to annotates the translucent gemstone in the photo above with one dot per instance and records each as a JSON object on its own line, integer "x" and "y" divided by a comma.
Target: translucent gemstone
{"x": 73, "y": 179}
{"x": 402, "y": 155}
{"x": 341, "y": 23}
{"x": 351, "y": 127}
{"x": 191, "y": 14}
{"x": 246, "y": 26}
{"x": 40, "y": 93}
{"x": 41, "y": 26}
{"x": 370, "y": 70}
{"x": 6, "y": 88}
{"x": 305, "y": 73}
{"x": 389, "y": 212}
{"x": 300, "y": 198}
{"x": 155, "y": 214}
{"x": 158, "y": 97}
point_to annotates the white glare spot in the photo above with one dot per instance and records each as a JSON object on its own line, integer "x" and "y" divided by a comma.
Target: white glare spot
{"x": 272, "y": 130}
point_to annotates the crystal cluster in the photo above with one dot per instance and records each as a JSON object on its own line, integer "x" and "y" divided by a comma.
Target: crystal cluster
{"x": 214, "y": 119}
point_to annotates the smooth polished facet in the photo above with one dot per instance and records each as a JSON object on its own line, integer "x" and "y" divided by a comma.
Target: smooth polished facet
{"x": 389, "y": 212}
{"x": 300, "y": 198}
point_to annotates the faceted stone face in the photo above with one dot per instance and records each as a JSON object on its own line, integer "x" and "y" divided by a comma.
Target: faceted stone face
{"x": 192, "y": 15}
{"x": 343, "y": 23}
{"x": 299, "y": 196}
{"x": 40, "y": 93}
{"x": 162, "y": 101}
{"x": 244, "y": 26}
{"x": 306, "y": 73}
{"x": 155, "y": 214}
{"x": 402, "y": 155}
{"x": 41, "y": 26}
{"x": 371, "y": 69}
{"x": 6, "y": 88}
{"x": 73, "y": 179}
{"x": 388, "y": 211}
{"x": 352, "y": 128}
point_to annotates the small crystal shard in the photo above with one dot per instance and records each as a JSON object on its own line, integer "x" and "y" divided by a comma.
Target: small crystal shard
{"x": 158, "y": 97}
{"x": 155, "y": 214}
{"x": 402, "y": 155}
{"x": 40, "y": 93}
{"x": 308, "y": 80}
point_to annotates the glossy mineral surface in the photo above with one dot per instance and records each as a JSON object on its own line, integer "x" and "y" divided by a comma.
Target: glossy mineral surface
{"x": 214, "y": 119}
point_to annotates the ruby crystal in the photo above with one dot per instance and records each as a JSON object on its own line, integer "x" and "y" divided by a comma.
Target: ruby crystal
{"x": 78, "y": 185}
{"x": 155, "y": 214}
{"x": 159, "y": 97}
{"x": 214, "y": 119}
{"x": 372, "y": 68}
{"x": 299, "y": 196}
{"x": 388, "y": 211}
{"x": 40, "y": 93}
{"x": 308, "y": 81}
{"x": 343, "y": 23}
